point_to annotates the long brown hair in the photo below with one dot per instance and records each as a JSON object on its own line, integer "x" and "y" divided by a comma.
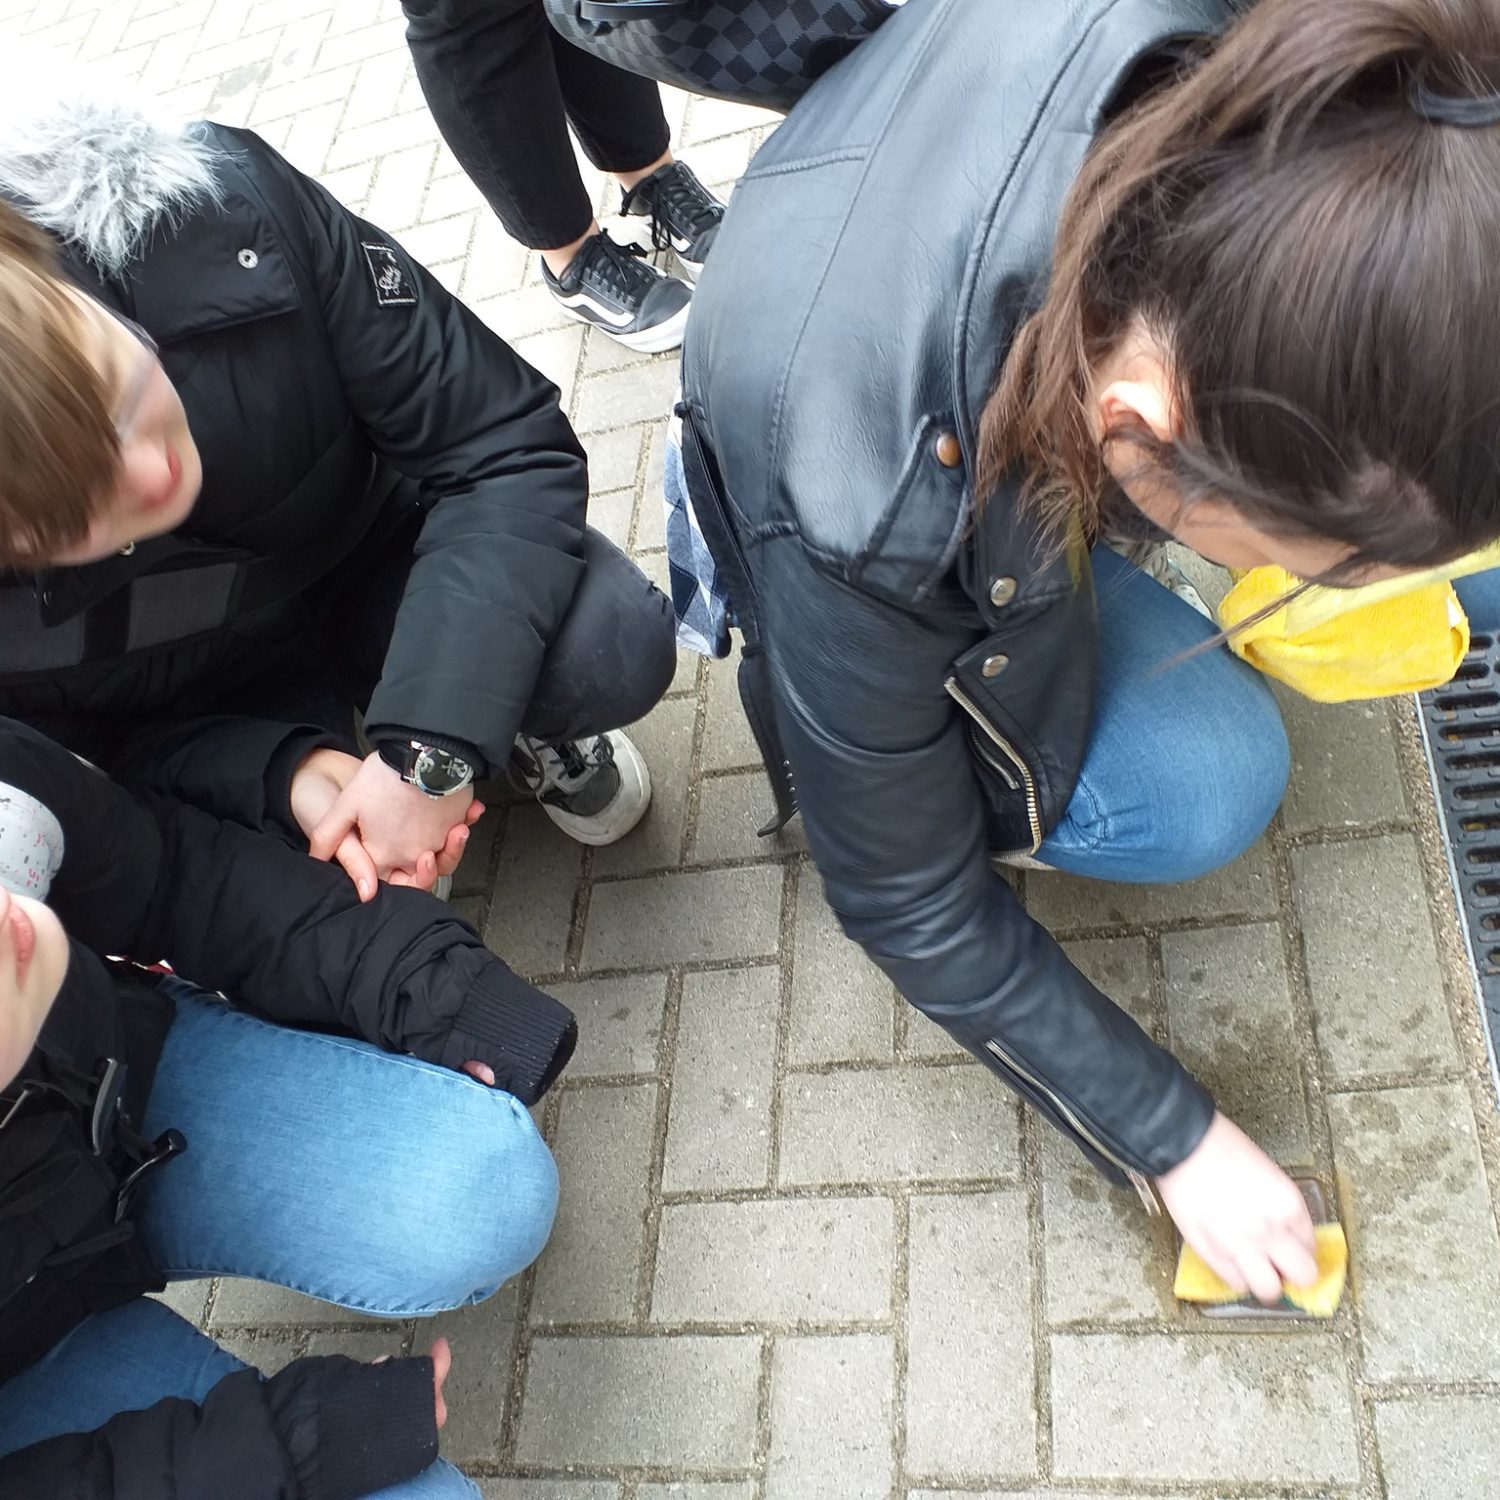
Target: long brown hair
{"x": 59, "y": 451}
{"x": 1322, "y": 263}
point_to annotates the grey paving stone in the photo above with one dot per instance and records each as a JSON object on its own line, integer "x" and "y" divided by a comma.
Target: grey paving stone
{"x": 470, "y": 909}
{"x": 1344, "y": 770}
{"x": 1032, "y": 1495}
{"x": 615, "y": 458}
{"x": 709, "y": 119}
{"x": 719, "y": 1121}
{"x": 612, "y": 514}
{"x": 970, "y": 1407}
{"x": 483, "y": 1340}
{"x": 472, "y": 878}
{"x": 1440, "y": 1447}
{"x": 590, "y": 1268}
{"x": 1230, "y": 1011}
{"x": 515, "y": 314}
{"x": 843, "y": 1007}
{"x": 1064, "y": 903}
{"x": 730, "y": 809}
{"x": 1106, "y": 1260}
{"x": 651, "y": 518}
{"x": 554, "y": 354}
{"x": 680, "y": 1402}
{"x": 619, "y": 1023}
{"x": 705, "y": 914}
{"x": 1425, "y": 1259}
{"x": 1121, "y": 968}
{"x": 548, "y": 1489}
{"x": 536, "y": 881}
{"x": 188, "y": 1299}
{"x": 923, "y": 1037}
{"x": 259, "y": 1304}
{"x": 364, "y": 1344}
{"x": 691, "y": 1490}
{"x": 665, "y": 738}
{"x": 1203, "y": 1407}
{"x": 813, "y": 1260}
{"x": 832, "y": 1406}
{"x": 1377, "y": 990}
{"x": 643, "y": 393}
{"x": 897, "y": 1124}
{"x": 727, "y": 740}
{"x": 601, "y": 353}
{"x": 261, "y": 1351}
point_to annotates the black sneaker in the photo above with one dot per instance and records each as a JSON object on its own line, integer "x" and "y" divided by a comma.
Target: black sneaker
{"x": 612, "y": 287}
{"x": 684, "y": 215}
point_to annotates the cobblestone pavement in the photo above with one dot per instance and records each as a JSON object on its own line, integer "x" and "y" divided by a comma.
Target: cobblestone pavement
{"x": 806, "y": 1249}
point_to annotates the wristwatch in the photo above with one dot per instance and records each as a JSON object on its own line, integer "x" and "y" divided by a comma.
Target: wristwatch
{"x": 438, "y": 773}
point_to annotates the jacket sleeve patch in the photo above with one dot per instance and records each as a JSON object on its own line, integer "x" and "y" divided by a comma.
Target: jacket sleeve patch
{"x": 393, "y": 284}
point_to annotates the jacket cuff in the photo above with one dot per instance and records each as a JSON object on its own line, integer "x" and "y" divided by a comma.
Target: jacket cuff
{"x": 526, "y": 1036}
{"x": 380, "y": 733}
{"x": 353, "y": 1429}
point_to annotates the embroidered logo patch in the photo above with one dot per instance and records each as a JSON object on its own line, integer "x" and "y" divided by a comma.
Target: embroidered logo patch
{"x": 393, "y": 287}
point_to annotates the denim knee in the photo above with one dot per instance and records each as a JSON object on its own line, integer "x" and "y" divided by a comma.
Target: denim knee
{"x": 480, "y": 1207}
{"x": 1246, "y": 777}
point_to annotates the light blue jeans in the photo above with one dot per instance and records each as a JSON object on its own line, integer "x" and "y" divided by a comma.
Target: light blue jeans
{"x": 1187, "y": 760}
{"x": 325, "y": 1165}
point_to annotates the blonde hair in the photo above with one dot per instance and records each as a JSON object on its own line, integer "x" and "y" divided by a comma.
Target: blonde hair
{"x": 59, "y": 451}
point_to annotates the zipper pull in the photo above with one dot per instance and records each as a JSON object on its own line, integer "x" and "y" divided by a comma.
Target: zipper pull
{"x": 1146, "y": 1191}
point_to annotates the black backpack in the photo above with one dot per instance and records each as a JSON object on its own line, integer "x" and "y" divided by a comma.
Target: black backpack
{"x": 765, "y": 52}
{"x": 70, "y": 1159}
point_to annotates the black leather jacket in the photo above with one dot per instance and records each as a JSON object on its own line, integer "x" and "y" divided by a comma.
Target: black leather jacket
{"x": 930, "y": 672}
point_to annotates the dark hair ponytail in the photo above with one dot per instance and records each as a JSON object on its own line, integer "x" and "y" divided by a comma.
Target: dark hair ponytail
{"x": 1320, "y": 258}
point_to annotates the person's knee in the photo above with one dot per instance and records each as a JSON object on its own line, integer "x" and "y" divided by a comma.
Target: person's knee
{"x": 479, "y": 1206}
{"x": 1241, "y": 785}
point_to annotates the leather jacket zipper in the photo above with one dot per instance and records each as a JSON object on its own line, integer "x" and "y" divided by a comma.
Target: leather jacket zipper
{"x": 1028, "y": 782}
{"x": 1138, "y": 1180}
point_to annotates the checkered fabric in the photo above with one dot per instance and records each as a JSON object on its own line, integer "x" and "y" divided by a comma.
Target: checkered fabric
{"x": 698, "y": 597}
{"x": 764, "y": 52}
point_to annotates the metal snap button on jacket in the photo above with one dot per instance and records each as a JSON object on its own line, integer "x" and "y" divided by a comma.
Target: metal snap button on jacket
{"x": 994, "y": 665}
{"x": 947, "y": 450}
{"x": 1002, "y": 591}
{"x": 248, "y": 259}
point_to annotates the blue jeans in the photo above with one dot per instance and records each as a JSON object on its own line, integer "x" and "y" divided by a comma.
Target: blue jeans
{"x": 373, "y": 1181}
{"x": 1187, "y": 760}
{"x": 1479, "y": 594}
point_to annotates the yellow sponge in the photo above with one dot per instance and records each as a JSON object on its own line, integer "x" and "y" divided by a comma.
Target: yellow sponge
{"x": 1196, "y": 1283}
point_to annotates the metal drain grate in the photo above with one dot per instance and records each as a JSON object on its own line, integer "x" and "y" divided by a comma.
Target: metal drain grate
{"x": 1461, "y": 727}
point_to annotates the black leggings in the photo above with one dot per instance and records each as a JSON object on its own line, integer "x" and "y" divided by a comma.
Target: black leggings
{"x": 503, "y": 87}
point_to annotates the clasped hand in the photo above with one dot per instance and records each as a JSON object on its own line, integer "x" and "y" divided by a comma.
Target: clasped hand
{"x": 377, "y": 826}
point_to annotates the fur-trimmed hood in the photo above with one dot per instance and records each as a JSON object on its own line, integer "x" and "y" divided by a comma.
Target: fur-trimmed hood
{"x": 98, "y": 169}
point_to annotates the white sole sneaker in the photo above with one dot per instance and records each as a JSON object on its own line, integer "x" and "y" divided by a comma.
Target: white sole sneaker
{"x": 658, "y": 339}
{"x": 624, "y": 810}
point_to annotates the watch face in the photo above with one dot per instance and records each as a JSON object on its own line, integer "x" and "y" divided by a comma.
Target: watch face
{"x": 438, "y": 772}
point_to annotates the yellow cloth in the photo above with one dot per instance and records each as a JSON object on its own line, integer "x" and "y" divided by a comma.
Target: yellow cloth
{"x": 1399, "y": 636}
{"x": 1196, "y": 1283}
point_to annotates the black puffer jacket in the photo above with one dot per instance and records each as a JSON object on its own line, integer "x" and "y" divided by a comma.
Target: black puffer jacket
{"x": 928, "y": 676}
{"x": 306, "y": 345}
{"x": 234, "y": 910}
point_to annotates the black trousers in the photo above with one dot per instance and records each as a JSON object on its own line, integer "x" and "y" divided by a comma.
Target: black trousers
{"x": 503, "y": 88}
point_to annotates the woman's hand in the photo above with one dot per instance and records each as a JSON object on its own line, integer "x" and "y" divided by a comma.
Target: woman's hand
{"x": 376, "y": 826}
{"x": 1242, "y": 1214}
